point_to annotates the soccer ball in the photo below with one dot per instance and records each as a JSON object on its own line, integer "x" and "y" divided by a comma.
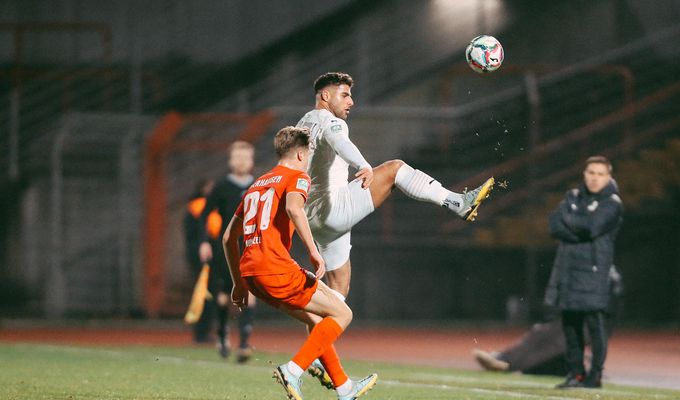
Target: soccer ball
{"x": 484, "y": 54}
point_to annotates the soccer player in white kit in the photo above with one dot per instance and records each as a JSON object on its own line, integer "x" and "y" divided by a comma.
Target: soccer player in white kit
{"x": 335, "y": 205}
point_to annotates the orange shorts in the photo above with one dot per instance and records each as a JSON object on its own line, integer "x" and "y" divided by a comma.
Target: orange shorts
{"x": 294, "y": 289}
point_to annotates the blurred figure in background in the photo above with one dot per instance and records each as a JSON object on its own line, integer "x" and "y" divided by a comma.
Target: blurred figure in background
{"x": 542, "y": 349}
{"x": 586, "y": 223}
{"x": 193, "y": 236}
{"x": 224, "y": 199}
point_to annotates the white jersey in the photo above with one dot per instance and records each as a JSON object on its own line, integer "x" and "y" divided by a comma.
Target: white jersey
{"x": 328, "y": 171}
{"x": 331, "y": 153}
{"x": 333, "y": 204}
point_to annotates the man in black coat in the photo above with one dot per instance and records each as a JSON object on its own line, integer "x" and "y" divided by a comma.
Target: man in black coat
{"x": 542, "y": 349}
{"x": 586, "y": 223}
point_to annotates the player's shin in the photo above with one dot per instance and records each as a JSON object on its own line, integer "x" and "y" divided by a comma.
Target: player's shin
{"x": 422, "y": 187}
{"x": 331, "y": 362}
{"x": 322, "y": 337}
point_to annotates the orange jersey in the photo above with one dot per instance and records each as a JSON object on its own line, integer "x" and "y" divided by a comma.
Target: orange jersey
{"x": 267, "y": 229}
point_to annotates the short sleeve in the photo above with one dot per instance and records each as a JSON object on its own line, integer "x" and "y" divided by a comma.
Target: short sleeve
{"x": 299, "y": 184}
{"x": 239, "y": 210}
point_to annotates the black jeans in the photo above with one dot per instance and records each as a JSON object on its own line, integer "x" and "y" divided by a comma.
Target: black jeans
{"x": 572, "y": 324}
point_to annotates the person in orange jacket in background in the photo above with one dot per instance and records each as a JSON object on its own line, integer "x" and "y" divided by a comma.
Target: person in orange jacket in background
{"x": 193, "y": 236}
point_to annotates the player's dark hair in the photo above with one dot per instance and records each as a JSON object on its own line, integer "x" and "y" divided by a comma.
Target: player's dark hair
{"x": 290, "y": 137}
{"x": 599, "y": 160}
{"x": 332, "y": 78}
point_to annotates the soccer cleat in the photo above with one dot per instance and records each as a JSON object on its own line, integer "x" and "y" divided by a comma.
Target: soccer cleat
{"x": 572, "y": 381}
{"x": 319, "y": 372}
{"x": 244, "y": 354}
{"x": 360, "y": 387}
{"x": 289, "y": 382}
{"x": 490, "y": 361}
{"x": 473, "y": 198}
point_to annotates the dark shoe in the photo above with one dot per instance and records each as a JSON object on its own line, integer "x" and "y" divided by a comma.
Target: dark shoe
{"x": 244, "y": 354}
{"x": 593, "y": 380}
{"x": 572, "y": 381}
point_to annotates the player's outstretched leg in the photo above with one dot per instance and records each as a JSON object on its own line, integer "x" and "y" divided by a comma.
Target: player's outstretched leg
{"x": 422, "y": 187}
{"x": 360, "y": 387}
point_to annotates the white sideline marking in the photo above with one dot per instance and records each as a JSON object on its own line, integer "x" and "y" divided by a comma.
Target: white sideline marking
{"x": 476, "y": 390}
{"x": 455, "y": 378}
{"x": 507, "y": 382}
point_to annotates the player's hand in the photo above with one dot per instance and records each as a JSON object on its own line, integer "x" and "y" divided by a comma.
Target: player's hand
{"x": 205, "y": 252}
{"x": 239, "y": 296}
{"x": 318, "y": 264}
{"x": 365, "y": 175}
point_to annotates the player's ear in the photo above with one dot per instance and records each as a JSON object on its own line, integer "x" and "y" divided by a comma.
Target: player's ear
{"x": 325, "y": 94}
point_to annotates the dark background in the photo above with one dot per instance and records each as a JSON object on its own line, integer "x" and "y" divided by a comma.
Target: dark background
{"x": 83, "y": 85}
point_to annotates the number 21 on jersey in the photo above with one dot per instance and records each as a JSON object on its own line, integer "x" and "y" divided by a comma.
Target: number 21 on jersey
{"x": 251, "y": 204}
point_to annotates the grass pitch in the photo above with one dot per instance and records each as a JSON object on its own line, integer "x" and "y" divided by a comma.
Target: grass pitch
{"x": 36, "y": 371}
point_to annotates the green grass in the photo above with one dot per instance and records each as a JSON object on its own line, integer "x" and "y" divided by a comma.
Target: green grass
{"x": 37, "y": 371}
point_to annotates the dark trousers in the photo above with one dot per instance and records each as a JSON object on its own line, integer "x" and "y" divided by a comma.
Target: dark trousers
{"x": 539, "y": 351}
{"x": 572, "y": 325}
{"x": 220, "y": 281}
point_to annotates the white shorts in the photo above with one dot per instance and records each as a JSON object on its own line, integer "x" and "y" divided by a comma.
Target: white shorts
{"x": 332, "y": 219}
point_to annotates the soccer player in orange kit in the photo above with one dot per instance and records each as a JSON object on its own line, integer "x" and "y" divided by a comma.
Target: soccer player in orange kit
{"x": 270, "y": 212}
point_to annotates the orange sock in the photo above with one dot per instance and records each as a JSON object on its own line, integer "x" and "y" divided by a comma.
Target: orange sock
{"x": 331, "y": 362}
{"x": 319, "y": 340}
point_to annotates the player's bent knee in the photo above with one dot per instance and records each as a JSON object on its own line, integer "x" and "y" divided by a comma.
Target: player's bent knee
{"x": 389, "y": 169}
{"x": 397, "y": 163}
{"x": 344, "y": 316}
{"x": 393, "y": 165}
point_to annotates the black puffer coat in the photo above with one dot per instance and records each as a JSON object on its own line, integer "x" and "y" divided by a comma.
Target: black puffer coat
{"x": 586, "y": 225}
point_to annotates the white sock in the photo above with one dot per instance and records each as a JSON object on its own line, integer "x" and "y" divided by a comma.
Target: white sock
{"x": 420, "y": 186}
{"x": 294, "y": 369}
{"x": 345, "y": 388}
{"x": 338, "y": 294}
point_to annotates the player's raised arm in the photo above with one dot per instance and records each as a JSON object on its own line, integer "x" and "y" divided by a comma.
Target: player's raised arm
{"x": 239, "y": 294}
{"x": 349, "y": 152}
{"x": 338, "y": 139}
{"x": 295, "y": 203}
